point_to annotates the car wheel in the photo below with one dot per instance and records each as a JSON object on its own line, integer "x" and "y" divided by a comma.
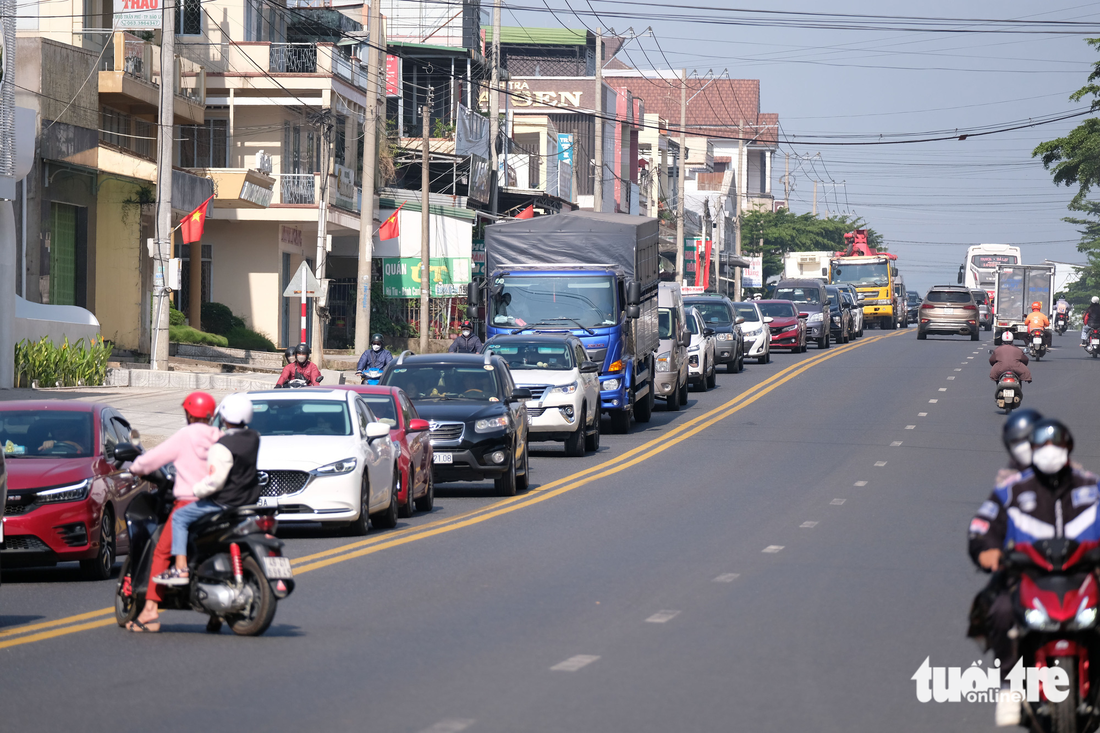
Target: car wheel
{"x": 361, "y": 525}
{"x": 672, "y": 402}
{"x": 523, "y": 481}
{"x": 574, "y": 444}
{"x": 100, "y": 566}
{"x": 409, "y": 507}
{"x": 921, "y": 335}
{"x": 506, "y": 484}
{"x": 643, "y": 411}
{"x": 684, "y": 393}
{"x": 426, "y": 502}
{"x": 704, "y": 378}
{"x": 620, "y": 421}
{"x": 823, "y": 342}
{"x": 387, "y": 518}
{"x": 592, "y": 440}
{"x": 712, "y": 378}
{"x": 974, "y": 335}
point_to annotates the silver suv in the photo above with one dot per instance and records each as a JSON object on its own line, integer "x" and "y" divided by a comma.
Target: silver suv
{"x": 948, "y": 309}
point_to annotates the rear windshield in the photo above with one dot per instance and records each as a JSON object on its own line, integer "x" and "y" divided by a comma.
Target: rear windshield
{"x": 799, "y": 294}
{"x": 717, "y": 312}
{"x": 300, "y": 417}
{"x": 980, "y": 297}
{"x": 746, "y": 311}
{"x": 778, "y": 310}
{"x": 948, "y": 296}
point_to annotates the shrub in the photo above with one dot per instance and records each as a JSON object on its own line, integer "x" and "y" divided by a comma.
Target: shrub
{"x": 246, "y": 338}
{"x": 217, "y": 318}
{"x": 175, "y": 317}
{"x": 68, "y": 365}
{"x": 188, "y": 335}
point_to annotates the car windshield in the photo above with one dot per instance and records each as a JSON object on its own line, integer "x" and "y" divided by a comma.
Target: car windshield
{"x": 382, "y": 406}
{"x": 300, "y": 417}
{"x": 948, "y": 296}
{"x": 566, "y": 302}
{"x": 870, "y": 273}
{"x": 746, "y": 311}
{"x": 799, "y": 294}
{"x": 778, "y": 310}
{"x": 717, "y": 312}
{"x": 46, "y": 434}
{"x": 664, "y": 323}
{"x": 445, "y": 382}
{"x": 533, "y": 355}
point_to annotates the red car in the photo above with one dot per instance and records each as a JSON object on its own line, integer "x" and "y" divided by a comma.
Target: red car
{"x": 65, "y": 498}
{"x": 410, "y": 434}
{"x": 788, "y": 329}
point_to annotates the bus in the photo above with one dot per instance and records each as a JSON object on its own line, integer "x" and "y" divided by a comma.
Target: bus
{"x": 979, "y": 270}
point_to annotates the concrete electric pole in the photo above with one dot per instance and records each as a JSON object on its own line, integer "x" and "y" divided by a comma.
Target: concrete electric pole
{"x": 425, "y": 224}
{"x": 683, "y": 178}
{"x": 494, "y": 111}
{"x": 597, "y": 188}
{"x": 162, "y": 243}
{"x": 742, "y": 174}
{"x": 322, "y": 232}
{"x": 370, "y": 166}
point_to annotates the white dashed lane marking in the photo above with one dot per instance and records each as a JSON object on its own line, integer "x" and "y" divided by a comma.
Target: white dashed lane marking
{"x": 970, "y": 357}
{"x": 861, "y": 483}
{"x": 950, "y": 379}
{"x": 574, "y": 663}
{"x": 933, "y": 401}
{"x": 808, "y": 525}
{"x": 958, "y": 370}
{"x": 727, "y": 577}
{"x": 662, "y": 617}
{"x": 923, "y": 414}
{"x": 880, "y": 464}
{"x": 910, "y": 427}
{"x": 451, "y": 725}
{"x": 772, "y": 549}
{"x": 895, "y": 444}
{"x": 837, "y": 502}
{"x": 943, "y": 389}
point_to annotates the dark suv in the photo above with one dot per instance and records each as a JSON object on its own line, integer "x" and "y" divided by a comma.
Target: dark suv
{"x": 840, "y": 315}
{"x": 718, "y": 313}
{"x": 476, "y": 415}
{"x": 809, "y": 297}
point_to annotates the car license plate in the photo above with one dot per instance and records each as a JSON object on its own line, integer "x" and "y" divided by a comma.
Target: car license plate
{"x": 443, "y": 458}
{"x": 1037, "y": 340}
{"x": 269, "y": 501}
{"x": 277, "y": 568}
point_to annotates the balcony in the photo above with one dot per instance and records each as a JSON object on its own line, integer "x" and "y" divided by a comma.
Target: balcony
{"x": 130, "y": 74}
{"x": 239, "y": 188}
{"x": 304, "y": 59}
{"x": 292, "y": 58}
{"x": 298, "y": 189}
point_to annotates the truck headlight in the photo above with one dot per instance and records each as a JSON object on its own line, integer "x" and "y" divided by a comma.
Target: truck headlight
{"x": 566, "y": 388}
{"x": 491, "y": 423}
{"x": 611, "y": 385}
{"x": 815, "y": 318}
{"x": 663, "y": 361}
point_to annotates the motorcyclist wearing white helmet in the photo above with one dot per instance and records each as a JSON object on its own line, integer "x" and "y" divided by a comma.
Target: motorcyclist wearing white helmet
{"x": 231, "y": 479}
{"x": 1092, "y": 319}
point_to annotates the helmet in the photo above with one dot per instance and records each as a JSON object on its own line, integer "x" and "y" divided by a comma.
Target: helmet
{"x": 1036, "y": 306}
{"x": 1006, "y": 337}
{"x": 1095, "y": 299}
{"x": 289, "y": 354}
{"x": 1051, "y": 431}
{"x": 236, "y": 409}
{"x": 199, "y": 405}
{"x": 467, "y": 324}
{"x": 302, "y": 349}
{"x": 377, "y": 339}
{"x": 1019, "y": 426}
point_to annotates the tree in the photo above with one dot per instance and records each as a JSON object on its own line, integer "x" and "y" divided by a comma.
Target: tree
{"x": 783, "y": 231}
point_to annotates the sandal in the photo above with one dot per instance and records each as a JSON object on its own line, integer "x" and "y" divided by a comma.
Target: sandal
{"x": 172, "y": 576}
{"x": 144, "y": 628}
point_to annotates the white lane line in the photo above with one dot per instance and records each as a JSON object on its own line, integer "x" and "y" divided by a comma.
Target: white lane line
{"x": 727, "y": 577}
{"x": 880, "y": 464}
{"x": 951, "y": 378}
{"x": 895, "y": 444}
{"x": 662, "y": 617}
{"x": 451, "y": 725}
{"x": 910, "y": 427}
{"x": 574, "y": 663}
{"x": 958, "y": 370}
{"x": 837, "y": 502}
{"x": 808, "y": 525}
{"x": 933, "y": 401}
{"x": 860, "y": 483}
{"x": 772, "y": 549}
{"x": 943, "y": 389}
{"x": 970, "y": 357}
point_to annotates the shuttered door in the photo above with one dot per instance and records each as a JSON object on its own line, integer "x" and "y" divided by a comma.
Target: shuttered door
{"x": 63, "y": 254}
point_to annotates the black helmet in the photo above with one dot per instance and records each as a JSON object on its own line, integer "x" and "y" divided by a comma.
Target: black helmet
{"x": 467, "y": 324}
{"x": 1051, "y": 431}
{"x": 289, "y": 354}
{"x": 377, "y": 339}
{"x": 1019, "y": 426}
{"x": 302, "y": 349}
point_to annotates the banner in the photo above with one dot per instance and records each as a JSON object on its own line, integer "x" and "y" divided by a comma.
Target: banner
{"x": 448, "y": 276}
{"x": 471, "y": 133}
{"x": 393, "y": 76}
{"x": 753, "y": 275}
{"x": 479, "y": 179}
{"x": 143, "y": 15}
{"x": 477, "y": 257}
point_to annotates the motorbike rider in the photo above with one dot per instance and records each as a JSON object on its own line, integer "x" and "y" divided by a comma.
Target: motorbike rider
{"x": 288, "y": 355}
{"x": 1008, "y": 358}
{"x": 188, "y": 451}
{"x": 1092, "y": 319}
{"x": 1037, "y": 319}
{"x": 376, "y": 357}
{"x": 302, "y": 368}
{"x": 1016, "y": 436}
{"x": 1039, "y": 502}
{"x": 467, "y": 341}
{"x": 231, "y": 480}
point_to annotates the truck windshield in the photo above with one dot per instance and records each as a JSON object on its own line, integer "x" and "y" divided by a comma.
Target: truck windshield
{"x": 869, "y": 273}
{"x": 561, "y": 301}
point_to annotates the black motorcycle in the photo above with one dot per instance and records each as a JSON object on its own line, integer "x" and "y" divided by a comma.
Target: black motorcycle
{"x": 1010, "y": 392}
{"x": 236, "y": 570}
{"x": 1061, "y": 323}
{"x": 1092, "y": 342}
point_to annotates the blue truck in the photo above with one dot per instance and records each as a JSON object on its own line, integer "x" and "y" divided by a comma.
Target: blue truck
{"x": 593, "y": 275}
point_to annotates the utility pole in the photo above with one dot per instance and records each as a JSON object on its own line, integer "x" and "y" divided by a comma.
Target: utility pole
{"x": 683, "y": 178}
{"x": 742, "y": 174}
{"x": 322, "y": 231}
{"x": 787, "y": 179}
{"x": 707, "y": 234}
{"x": 162, "y": 244}
{"x": 370, "y": 165}
{"x": 815, "y": 198}
{"x": 425, "y": 223}
{"x": 494, "y": 110}
{"x": 597, "y": 190}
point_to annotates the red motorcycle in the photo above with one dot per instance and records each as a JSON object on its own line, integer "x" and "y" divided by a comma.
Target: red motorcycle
{"x": 1055, "y": 598}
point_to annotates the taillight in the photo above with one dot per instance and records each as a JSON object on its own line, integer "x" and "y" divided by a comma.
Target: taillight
{"x": 927, "y": 307}
{"x": 970, "y": 307}
{"x": 266, "y": 523}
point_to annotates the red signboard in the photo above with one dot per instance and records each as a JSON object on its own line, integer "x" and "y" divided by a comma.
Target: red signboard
{"x": 393, "y": 76}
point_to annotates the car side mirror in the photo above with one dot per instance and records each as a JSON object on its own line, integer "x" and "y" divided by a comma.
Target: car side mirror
{"x": 634, "y": 311}
{"x": 589, "y": 367}
{"x": 125, "y": 453}
{"x": 418, "y": 425}
{"x": 376, "y": 430}
{"x": 634, "y": 293}
{"x": 768, "y": 319}
{"x": 709, "y": 332}
{"x": 894, "y": 271}
{"x": 739, "y": 320}
{"x": 803, "y": 316}
{"x": 521, "y": 394}
{"x": 685, "y": 338}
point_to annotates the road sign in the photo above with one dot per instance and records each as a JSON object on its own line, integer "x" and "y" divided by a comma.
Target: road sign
{"x": 304, "y": 281}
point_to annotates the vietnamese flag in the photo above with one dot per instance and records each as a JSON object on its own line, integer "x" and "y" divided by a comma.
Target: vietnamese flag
{"x": 192, "y": 224}
{"x": 528, "y": 213}
{"x": 390, "y": 228}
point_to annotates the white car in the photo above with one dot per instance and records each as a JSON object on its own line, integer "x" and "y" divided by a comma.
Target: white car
{"x": 702, "y": 367}
{"x": 758, "y": 337}
{"x": 564, "y": 384}
{"x": 325, "y": 458}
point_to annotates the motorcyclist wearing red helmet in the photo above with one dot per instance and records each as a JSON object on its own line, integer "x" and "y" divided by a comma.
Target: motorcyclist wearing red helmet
{"x": 1037, "y": 319}
{"x": 187, "y": 451}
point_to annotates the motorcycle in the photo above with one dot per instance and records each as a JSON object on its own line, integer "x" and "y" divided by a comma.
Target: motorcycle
{"x": 1054, "y": 595}
{"x": 1061, "y": 323}
{"x": 371, "y": 376}
{"x": 299, "y": 383}
{"x": 1092, "y": 343}
{"x": 1010, "y": 392}
{"x": 1037, "y": 344}
{"x": 236, "y": 569}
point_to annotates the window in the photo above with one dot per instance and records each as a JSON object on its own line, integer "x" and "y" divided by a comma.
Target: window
{"x": 63, "y": 255}
{"x": 205, "y": 145}
{"x": 188, "y": 18}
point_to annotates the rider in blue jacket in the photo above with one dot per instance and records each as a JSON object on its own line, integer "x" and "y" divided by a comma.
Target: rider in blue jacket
{"x": 376, "y": 357}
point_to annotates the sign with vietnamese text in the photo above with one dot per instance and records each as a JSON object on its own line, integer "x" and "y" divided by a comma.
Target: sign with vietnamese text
{"x": 753, "y": 275}
{"x": 448, "y": 276}
{"x": 393, "y": 76}
{"x": 144, "y": 15}
{"x": 477, "y": 257}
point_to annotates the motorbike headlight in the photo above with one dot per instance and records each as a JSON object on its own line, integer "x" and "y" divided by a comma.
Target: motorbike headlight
{"x": 1086, "y": 617}
{"x": 338, "y": 468}
{"x": 816, "y": 318}
{"x": 76, "y": 492}
{"x": 724, "y": 336}
{"x": 610, "y": 385}
{"x": 1037, "y": 617}
{"x": 693, "y": 349}
{"x": 663, "y": 361}
{"x": 566, "y": 388}
{"x": 491, "y": 423}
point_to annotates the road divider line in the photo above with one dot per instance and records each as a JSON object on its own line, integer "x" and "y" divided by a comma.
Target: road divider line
{"x": 26, "y": 629}
{"x": 41, "y": 636}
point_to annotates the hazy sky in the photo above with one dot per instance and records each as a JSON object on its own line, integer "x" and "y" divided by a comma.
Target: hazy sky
{"x": 930, "y": 200}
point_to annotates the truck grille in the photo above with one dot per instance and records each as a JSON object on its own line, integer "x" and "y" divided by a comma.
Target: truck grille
{"x": 281, "y": 483}
{"x": 24, "y": 543}
{"x": 446, "y": 431}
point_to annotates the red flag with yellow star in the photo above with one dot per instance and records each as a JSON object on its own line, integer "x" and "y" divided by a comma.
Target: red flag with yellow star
{"x": 192, "y": 224}
{"x": 389, "y": 228}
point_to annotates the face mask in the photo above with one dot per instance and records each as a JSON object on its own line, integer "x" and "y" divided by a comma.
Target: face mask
{"x": 1021, "y": 452}
{"x": 301, "y": 358}
{"x": 466, "y": 334}
{"x": 376, "y": 347}
{"x": 1050, "y": 459}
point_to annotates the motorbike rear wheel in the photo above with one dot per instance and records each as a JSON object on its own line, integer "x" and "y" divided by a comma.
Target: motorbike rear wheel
{"x": 126, "y": 607}
{"x": 259, "y": 615}
{"x": 1063, "y": 715}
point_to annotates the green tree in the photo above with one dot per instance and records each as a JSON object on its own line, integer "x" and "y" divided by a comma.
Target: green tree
{"x": 775, "y": 234}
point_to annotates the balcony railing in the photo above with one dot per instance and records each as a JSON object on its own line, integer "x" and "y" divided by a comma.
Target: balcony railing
{"x": 297, "y": 188}
{"x": 294, "y": 58}
{"x": 140, "y": 59}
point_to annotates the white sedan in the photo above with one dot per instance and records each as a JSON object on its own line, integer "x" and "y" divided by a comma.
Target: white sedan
{"x": 701, "y": 360}
{"x": 754, "y": 328}
{"x": 325, "y": 458}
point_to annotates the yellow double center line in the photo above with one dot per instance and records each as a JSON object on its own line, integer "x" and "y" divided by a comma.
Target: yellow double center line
{"x": 105, "y": 616}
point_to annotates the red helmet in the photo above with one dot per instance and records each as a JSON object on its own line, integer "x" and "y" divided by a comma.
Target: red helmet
{"x": 1036, "y": 306}
{"x": 200, "y": 405}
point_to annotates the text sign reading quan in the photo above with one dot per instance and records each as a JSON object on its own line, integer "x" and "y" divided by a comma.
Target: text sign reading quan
{"x": 145, "y": 15}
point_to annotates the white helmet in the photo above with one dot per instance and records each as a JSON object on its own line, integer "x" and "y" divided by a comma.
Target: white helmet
{"x": 236, "y": 409}
{"x": 1095, "y": 299}
{"x": 1006, "y": 338}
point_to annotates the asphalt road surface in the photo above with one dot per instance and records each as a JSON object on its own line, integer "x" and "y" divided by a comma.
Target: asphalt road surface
{"x": 781, "y": 556}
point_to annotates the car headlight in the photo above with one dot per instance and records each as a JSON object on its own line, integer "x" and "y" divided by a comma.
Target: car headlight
{"x": 724, "y": 336}
{"x": 663, "y": 361}
{"x": 76, "y": 492}
{"x": 836, "y": 319}
{"x": 1038, "y": 618}
{"x": 789, "y": 328}
{"x": 815, "y": 318}
{"x": 338, "y": 468}
{"x": 566, "y": 388}
{"x": 693, "y": 349}
{"x": 491, "y": 423}
{"x": 610, "y": 385}
{"x": 754, "y": 331}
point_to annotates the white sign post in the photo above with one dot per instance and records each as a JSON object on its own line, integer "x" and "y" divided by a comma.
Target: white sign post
{"x": 303, "y": 285}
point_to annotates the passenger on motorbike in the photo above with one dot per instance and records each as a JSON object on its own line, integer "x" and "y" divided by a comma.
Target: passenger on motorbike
{"x": 1051, "y": 499}
{"x": 187, "y": 451}
{"x": 1016, "y": 436}
{"x": 376, "y": 357}
{"x": 1091, "y": 320}
{"x": 230, "y": 481}
{"x": 1062, "y": 307}
{"x": 1008, "y": 358}
{"x": 288, "y": 355}
{"x": 467, "y": 342}
{"x": 302, "y": 368}
{"x": 1037, "y": 319}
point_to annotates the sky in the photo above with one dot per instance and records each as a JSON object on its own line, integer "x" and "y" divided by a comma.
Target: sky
{"x": 929, "y": 200}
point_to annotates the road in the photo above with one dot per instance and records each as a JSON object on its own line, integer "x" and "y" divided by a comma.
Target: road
{"x": 781, "y": 556}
